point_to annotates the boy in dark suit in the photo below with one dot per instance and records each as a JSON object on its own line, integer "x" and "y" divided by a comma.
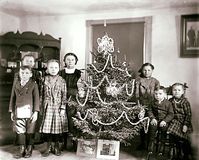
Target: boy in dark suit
{"x": 24, "y": 108}
{"x": 160, "y": 113}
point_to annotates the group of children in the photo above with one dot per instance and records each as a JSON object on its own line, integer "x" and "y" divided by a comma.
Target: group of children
{"x": 39, "y": 104}
{"x": 168, "y": 117}
{"x": 45, "y": 97}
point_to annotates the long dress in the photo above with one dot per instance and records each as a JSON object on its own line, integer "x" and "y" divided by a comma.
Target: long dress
{"x": 54, "y": 99}
{"x": 71, "y": 80}
{"x": 182, "y": 116}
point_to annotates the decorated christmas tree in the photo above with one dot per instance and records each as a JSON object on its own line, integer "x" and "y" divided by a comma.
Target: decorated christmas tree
{"x": 104, "y": 106}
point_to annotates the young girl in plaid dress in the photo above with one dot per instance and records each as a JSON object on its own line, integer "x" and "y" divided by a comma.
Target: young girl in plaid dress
{"x": 54, "y": 103}
{"x": 181, "y": 126}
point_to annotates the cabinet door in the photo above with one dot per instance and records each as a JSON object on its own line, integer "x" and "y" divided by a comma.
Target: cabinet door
{"x": 50, "y": 53}
{"x": 8, "y": 64}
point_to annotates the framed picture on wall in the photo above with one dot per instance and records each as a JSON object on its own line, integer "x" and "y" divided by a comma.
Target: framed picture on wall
{"x": 189, "y": 45}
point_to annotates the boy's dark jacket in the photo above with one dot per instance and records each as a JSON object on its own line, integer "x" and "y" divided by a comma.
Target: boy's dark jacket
{"x": 28, "y": 94}
{"x": 162, "y": 111}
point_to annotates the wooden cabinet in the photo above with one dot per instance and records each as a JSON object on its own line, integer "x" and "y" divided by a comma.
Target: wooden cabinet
{"x": 13, "y": 46}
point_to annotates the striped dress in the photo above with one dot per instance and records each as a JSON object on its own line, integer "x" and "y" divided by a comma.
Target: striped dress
{"x": 182, "y": 116}
{"x": 54, "y": 99}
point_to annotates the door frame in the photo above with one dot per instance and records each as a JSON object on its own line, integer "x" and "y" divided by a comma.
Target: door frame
{"x": 147, "y": 35}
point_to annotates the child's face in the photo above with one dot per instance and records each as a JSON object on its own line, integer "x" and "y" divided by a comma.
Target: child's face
{"x": 177, "y": 91}
{"x": 53, "y": 68}
{"x": 147, "y": 71}
{"x": 28, "y": 61}
{"x": 70, "y": 61}
{"x": 159, "y": 95}
{"x": 25, "y": 74}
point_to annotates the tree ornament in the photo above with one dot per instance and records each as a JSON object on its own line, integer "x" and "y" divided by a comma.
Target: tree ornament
{"x": 141, "y": 114}
{"x": 105, "y": 45}
{"x": 81, "y": 92}
{"x": 112, "y": 89}
{"x": 124, "y": 64}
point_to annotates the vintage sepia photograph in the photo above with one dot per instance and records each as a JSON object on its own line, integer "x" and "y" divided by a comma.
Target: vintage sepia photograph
{"x": 87, "y": 147}
{"x": 99, "y": 79}
{"x": 108, "y": 149}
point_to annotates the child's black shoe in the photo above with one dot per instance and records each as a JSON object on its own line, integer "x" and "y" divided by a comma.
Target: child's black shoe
{"x": 20, "y": 152}
{"x": 57, "y": 150}
{"x": 28, "y": 152}
{"x": 160, "y": 156}
{"x": 149, "y": 155}
{"x": 48, "y": 150}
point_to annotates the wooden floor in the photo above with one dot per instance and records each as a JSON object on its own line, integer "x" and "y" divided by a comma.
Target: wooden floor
{"x": 126, "y": 153}
{"x": 6, "y": 153}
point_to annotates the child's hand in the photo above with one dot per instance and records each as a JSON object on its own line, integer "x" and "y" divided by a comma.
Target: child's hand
{"x": 12, "y": 116}
{"x": 34, "y": 117}
{"x": 154, "y": 122}
{"x": 184, "y": 128}
{"x": 62, "y": 112}
{"x": 163, "y": 124}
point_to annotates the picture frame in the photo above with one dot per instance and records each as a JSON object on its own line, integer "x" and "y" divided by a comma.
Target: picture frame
{"x": 108, "y": 149}
{"x": 189, "y": 45}
{"x": 87, "y": 148}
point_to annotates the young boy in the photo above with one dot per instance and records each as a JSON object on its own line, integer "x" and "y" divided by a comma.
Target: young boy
{"x": 24, "y": 108}
{"x": 161, "y": 113}
{"x": 29, "y": 60}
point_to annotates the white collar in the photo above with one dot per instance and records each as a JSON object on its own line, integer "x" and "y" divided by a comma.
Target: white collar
{"x": 161, "y": 101}
{"x": 69, "y": 70}
{"x": 23, "y": 83}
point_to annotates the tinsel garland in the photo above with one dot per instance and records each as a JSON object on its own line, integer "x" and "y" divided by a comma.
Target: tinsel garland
{"x": 86, "y": 99}
{"x": 111, "y": 60}
{"x": 100, "y": 83}
{"x": 132, "y": 88}
{"x": 95, "y": 119}
{"x": 123, "y": 70}
{"x": 98, "y": 71}
{"x": 98, "y": 94}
